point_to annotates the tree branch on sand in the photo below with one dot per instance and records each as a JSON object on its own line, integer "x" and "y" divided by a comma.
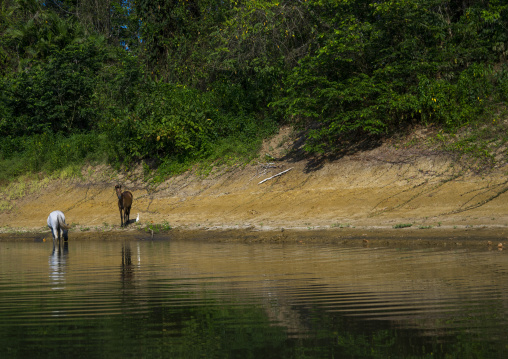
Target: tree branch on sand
{"x": 278, "y": 174}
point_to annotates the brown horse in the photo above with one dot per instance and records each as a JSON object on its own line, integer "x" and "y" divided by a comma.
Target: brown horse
{"x": 124, "y": 204}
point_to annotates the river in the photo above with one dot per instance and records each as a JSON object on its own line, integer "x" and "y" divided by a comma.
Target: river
{"x": 164, "y": 298}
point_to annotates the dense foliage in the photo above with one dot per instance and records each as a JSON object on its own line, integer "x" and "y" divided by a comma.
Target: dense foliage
{"x": 173, "y": 81}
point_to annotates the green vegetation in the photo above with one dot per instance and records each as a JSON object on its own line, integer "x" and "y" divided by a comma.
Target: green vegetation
{"x": 168, "y": 84}
{"x": 403, "y": 225}
{"x": 158, "y": 227}
{"x": 340, "y": 225}
{"x": 424, "y": 227}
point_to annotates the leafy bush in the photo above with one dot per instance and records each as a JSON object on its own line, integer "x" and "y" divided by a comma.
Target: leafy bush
{"x": 392, "y": 64}
{"x": 175, "y": 123}
{"x": 167, "y": 120}
{"x": 55, "y": 96}
{"x": 501, "y": 78}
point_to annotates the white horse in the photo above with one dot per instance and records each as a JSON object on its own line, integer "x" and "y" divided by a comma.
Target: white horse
{"x": 56, "y": 222}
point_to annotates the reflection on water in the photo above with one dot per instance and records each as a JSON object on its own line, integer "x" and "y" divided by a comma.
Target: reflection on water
{"x": 57, "y": 264}
{"x": 194, "y": 299}
{"x": 127, "y": 268}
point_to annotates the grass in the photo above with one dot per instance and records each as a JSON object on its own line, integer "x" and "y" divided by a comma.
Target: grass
{"x": 229, "y": 152}
{"x": 20, "y": 187}
{"x": 50, "y": 154}
{"x": 403, "y": 225}
{"x": 225, "y": 153}
{"x": 158, "y": 227}
{"x": 481, "y": 144}
{"x": 340, "y": 225}
{"x": 56, "y": 156}
{"x": 5, "y": 205}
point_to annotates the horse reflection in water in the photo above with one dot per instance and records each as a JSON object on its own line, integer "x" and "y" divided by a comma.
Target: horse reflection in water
{"x": 127, "y": 273}
{"x": 58, "y": 264}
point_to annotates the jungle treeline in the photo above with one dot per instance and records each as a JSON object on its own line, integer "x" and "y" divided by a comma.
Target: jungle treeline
{"x": 167, "y": 83}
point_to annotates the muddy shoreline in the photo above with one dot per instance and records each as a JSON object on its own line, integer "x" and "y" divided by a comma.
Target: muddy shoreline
{"x": 481, "y": 238}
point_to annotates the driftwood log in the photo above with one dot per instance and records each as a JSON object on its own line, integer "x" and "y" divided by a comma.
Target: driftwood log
{"x": 278, "y": 174}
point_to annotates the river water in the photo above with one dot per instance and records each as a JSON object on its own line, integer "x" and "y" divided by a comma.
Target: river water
{"x": 129, "y": 298}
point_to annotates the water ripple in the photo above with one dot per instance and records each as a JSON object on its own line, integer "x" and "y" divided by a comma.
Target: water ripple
{"x": 169, "y": 289}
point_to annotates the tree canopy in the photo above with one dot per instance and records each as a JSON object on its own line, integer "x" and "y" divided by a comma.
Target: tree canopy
{"x": 174, "y": 79}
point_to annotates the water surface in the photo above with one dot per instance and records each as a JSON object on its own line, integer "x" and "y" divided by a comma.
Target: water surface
{"x": 167, "y": 299}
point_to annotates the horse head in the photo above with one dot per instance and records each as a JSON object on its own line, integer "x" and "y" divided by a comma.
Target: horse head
{"x": 118, "y": 189}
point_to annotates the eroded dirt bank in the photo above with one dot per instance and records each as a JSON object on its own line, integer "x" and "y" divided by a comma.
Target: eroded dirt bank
{"x": 373, "y": 191}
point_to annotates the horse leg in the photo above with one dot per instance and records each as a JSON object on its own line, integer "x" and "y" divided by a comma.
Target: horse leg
{"x": 127, "y": 215}
{"x": 53, "y": 232}
{"x": 121, "y": 218}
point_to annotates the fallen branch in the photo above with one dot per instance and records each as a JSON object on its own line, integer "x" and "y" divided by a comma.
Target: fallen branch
{"x": 278, "y": 174}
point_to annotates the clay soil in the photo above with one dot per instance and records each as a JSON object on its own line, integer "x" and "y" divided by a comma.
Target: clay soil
{"x": 371, "y": 195}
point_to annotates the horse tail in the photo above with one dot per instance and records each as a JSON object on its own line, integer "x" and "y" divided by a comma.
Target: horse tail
{"x": 62, "y": 224}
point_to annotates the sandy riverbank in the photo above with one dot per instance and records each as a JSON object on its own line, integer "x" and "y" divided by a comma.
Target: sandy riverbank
{"x": 370, "y": 192}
